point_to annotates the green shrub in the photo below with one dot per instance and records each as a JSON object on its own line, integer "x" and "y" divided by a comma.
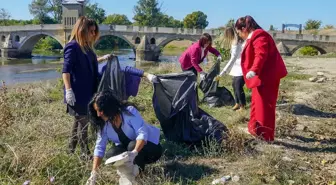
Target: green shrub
{"x": 308, "y": 51}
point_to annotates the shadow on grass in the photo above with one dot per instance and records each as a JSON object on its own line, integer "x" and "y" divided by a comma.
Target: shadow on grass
{"x": 328, "y": 149}
{"x": 313, "y": 140}
{"x": 304, "y": 110}
{"x": 187, "y": 172}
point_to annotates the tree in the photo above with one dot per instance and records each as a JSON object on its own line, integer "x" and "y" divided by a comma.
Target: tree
{"x": 39, "y": 9}
{"x": 46, "y": 11}
{"x": 313, "y": 24}
{"x": 230, "y": 23}
{"x": 55, "y": 8}
{"x": 196, "y": 20}
{"x": 44, "y": 20}
{"x": 147, "y": 13}
{"x": 169, "y": 21}
{"x": 4, "y": 16}
{"x": 328, "y": 26}
{"x": 271, "y": 28}
{"x": 117, "y": 19}
{"x": 93, "y": 11}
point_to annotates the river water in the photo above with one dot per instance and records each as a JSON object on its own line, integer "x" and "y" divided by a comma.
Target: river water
{"x": 40, "y": 68}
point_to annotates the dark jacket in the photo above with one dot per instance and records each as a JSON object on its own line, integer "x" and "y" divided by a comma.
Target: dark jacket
{"x": 83, "y": 69}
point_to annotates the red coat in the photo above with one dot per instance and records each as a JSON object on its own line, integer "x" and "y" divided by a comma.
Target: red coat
{"x": 261, "y": 55}
{"x": 192, "y": 56}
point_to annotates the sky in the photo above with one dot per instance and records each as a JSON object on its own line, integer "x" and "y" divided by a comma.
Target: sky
{"x": 265, "y": 12}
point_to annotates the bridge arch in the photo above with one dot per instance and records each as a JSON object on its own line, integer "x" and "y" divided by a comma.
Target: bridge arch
{"x": 170, "y": 39}
{"x": 319, "y": 49}
{"x": 28, "y": 43}
{"x": 116, "y": 35}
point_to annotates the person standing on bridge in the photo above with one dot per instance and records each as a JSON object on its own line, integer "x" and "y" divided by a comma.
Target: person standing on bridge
{"x": 263, "y": 68}
{"x": 81, "y": 79}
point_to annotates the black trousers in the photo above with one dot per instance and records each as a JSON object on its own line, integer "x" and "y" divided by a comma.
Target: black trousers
{"x": 238, "y": 89}
{"x": 79, "y": 133}
{"x": 150, "y": 153}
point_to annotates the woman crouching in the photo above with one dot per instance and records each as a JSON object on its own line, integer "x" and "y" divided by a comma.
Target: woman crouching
{"x": 124, "y": 126}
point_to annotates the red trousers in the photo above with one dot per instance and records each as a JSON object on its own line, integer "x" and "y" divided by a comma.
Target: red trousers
{"x": 262, "y": 115}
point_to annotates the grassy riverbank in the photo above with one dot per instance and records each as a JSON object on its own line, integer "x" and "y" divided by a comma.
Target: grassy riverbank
{"x": 34, "y": 132}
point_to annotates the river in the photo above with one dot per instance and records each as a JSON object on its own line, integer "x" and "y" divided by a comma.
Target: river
{"x": 41, "y": 67}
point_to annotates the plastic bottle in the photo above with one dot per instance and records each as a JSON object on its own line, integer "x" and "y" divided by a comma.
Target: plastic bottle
{"x": 222, "y": 180}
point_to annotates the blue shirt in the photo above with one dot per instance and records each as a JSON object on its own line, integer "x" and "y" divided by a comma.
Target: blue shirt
{"x": 134, "y": 127}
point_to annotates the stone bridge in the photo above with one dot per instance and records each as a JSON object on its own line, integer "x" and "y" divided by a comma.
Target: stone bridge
{"x": 289, "y": 43}
{"x": 19, "y": 41}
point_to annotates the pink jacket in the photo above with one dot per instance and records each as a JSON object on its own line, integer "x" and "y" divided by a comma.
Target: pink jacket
{"x": 192, "y": 56}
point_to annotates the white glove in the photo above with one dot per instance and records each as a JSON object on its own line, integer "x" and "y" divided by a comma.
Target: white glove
{"x": 70, "y": 97}
{"x": 202, "y": 75}
{"x": 132, "y": 155}
{"x": 152, "y": 78}
{"x": 250, "y": 74}
{"x": 219, "y": 58}
{"x": 93, "y": 178}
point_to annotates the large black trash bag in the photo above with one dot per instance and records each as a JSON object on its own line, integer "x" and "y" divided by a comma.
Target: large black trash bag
{"x": 113, "y": 79}
{"x": 175, "y": 106}
{"x": 214, "y": 95}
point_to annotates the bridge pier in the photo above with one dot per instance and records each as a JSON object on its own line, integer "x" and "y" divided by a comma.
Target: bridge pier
{"x": 146, "y": 51}
{"x": 283, "y": 49}
{"x": 14, "y": 53}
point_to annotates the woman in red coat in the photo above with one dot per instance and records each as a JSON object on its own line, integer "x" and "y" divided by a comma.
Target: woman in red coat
{"x": 263, "y": 68}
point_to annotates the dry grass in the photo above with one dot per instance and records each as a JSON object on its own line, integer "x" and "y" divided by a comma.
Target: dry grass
{"x": 33, "y": 146}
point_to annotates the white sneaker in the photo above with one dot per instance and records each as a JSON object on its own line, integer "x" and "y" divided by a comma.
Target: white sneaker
{"x": 127, "y": 173}
{"x": 135, "y": 170}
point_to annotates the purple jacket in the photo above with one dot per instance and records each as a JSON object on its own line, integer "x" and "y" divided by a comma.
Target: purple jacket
{"x": 132, "y": 78}
{"x": 83, "y": 69}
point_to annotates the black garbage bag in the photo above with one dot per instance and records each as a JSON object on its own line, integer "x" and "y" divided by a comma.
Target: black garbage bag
{"x": 121, "y": 81}
{"x": 175, "y": 106}
{"x": 214, "y": 95}
{"x": 113, "y": 79}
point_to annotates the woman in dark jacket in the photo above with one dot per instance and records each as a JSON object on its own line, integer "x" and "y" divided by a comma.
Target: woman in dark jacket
{"x": 80, "y": 77}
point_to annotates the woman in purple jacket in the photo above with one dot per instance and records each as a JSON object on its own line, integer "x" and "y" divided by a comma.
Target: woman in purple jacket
{"x": 80, "y": 77}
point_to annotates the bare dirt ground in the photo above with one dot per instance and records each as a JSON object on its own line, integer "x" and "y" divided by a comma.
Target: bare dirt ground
{"x": 310, "y": 119}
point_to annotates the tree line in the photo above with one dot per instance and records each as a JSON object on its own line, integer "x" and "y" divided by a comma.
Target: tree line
{"x": 146, "y": 13}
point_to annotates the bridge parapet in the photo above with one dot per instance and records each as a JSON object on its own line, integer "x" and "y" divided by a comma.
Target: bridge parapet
{"x": 303, "y": 37}
{"x": 43, "y": 27}
{"x": 120, "y": 28}
{"x": 145, "y": 29}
